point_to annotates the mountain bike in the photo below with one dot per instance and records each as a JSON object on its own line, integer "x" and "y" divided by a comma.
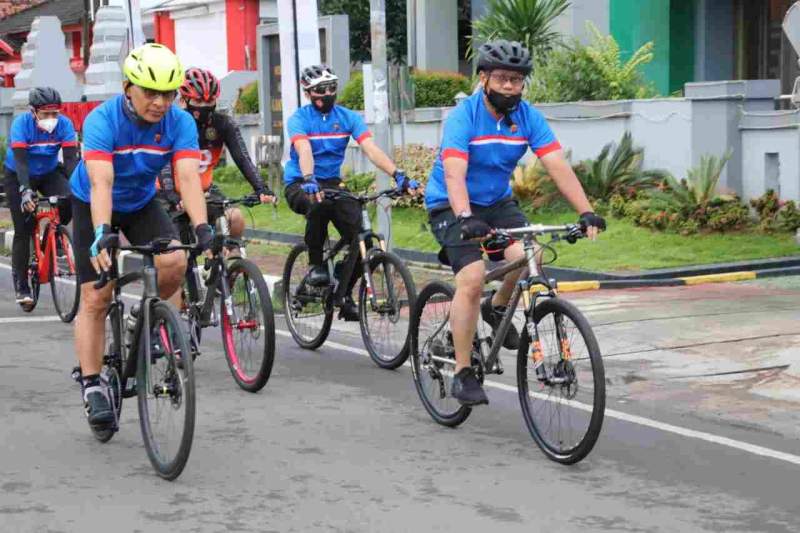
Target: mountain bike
{"x": 245, "y": 305}
{"x": 386, "y": 293}
{"x": 53, "y": 260}
{"x": 147, "y": 355}
{"x": 560, "y": 375}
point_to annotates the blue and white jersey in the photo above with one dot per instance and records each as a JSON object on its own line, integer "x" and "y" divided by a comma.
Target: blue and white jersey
{"x": 42, "y": 147}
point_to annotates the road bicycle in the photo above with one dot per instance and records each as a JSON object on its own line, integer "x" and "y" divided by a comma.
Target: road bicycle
{"x": 386, "y": 293}
{"x": 560, "y": 375}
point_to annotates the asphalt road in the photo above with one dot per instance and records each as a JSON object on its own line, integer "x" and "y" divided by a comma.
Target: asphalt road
{"x": 334, "y": 443}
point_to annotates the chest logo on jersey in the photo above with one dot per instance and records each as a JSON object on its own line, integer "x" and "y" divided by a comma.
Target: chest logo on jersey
{"x": 157, "y": 138}
{"x": 211, "y": 134}
{"x": 514, "y": 128}
{"x": 336, "y": 126}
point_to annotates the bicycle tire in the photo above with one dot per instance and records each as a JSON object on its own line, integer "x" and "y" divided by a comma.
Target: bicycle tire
{"x": 397, "y": 351}
{"x": 249, "y": 382}
{"x": 179, "y": 372}
{"x": 33, "y": 280}
{"x": 315, "y": 340}
{"x": 113, "y": 354}
{"x": 66, "y": 309}
{"x": 572, "y": 453}
{"x": 420, "y": 368}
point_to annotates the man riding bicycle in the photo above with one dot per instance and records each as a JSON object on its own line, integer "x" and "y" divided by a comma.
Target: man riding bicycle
{"x": 319, "y": 133}
{"x": 469, "y": 194}
{"x": 216, "y": 131}
{"x": 32, "y": 165}
{"x": 127, "y": 141}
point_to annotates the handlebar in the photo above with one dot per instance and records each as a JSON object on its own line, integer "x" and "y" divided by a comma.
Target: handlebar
{"x": 571, "y": 232}
{"x": 335, "y": 194}
{"x": 250, "y": 200}
{"x": 156, "y": 247}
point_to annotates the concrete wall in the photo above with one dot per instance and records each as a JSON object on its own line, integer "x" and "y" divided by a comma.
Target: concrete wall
{"x": 771, "y": 154}
{"x": 436, "y": 45}
{"x": 573, "y": 21}
{"x": 210, "y": 28}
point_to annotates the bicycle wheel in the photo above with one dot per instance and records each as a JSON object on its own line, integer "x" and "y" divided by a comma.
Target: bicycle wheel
{"x": 249, "y": 342}
{"x": 385, "y": 325}
{"x": 432, "y": 354}
{"x": 166, "y": 391}
{"x": 307, "y": 310}
{"x": 112, "y": 370}
{"x": 63, "y": 278}
{"x": 33, "y": 280}
{"x": 564, "y": 409}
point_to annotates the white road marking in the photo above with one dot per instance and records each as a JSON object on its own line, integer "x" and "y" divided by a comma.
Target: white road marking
{"x": 30, "y": 319}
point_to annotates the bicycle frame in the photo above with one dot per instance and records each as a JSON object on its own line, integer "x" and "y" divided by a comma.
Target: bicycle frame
{"x": 44, "y": 257}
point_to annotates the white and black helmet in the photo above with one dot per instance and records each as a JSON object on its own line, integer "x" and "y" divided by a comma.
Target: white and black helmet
{"x": 317, "y": 75}
{"x": 506, "y": 55}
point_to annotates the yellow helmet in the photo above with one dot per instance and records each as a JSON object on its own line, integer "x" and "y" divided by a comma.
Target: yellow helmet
{"x": 153, "y": 66}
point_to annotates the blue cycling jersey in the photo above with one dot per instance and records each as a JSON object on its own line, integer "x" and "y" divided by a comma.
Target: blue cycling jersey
{"x": 42, "y": 147}
{"x": 328, "y": 134}
{"x": 491, "y": 146}
{"x": 138, "y": 151}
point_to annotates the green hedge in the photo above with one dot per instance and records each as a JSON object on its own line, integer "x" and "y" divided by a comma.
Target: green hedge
{"x": 247, "y": 102}
{"x": 431, "y": 88}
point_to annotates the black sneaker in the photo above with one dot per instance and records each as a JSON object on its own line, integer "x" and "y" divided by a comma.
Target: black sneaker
{"x": 467, "y": 389}
{"x": 98, "y": 408}
{"x": 22, "y": 290}
{"x": 348, "y": 310}
{"x": 492, "y": 316}
{"x": 318, "y": 276}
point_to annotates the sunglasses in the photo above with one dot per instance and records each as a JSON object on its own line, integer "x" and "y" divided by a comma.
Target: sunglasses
{"x": 502, "y": 79}
{"x": 152, "y": 94}
{"x": 323, "y": 89}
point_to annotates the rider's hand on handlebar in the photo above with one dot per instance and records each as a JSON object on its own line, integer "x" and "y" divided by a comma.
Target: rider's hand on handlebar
{"x": 266, "y": 196}
{"x": 473, "y": 228}
{"x": 205, "y": 236}
{"x": 27, "y": 202}
{"x": 404, "y": 184}
{"x": 592, "y": 224}
{"x": 98, "y": 252}
{"x": 312, "y": 189}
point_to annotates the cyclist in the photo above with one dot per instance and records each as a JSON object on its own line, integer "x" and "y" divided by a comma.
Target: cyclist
{"x": 32, "y": 165}
{"x": 216, "y": 131}
{"x": 319, "y": 133}
{"x": 469, "y": 193}
{"x": 127, "y": 141}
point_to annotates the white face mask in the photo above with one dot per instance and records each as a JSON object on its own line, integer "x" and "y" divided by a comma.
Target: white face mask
{"x": 47, "y": 124}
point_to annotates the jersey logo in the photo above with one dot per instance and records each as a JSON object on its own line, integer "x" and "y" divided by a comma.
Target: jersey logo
{"x": 206, "y": 159}
{"x": 336, "y": 126}
{"x": 157, "y": 138}
{"x": 211, "y": 134}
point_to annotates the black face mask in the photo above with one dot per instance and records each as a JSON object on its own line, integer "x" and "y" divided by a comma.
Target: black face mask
{"x": 202, "y": 115}
{"x": 502, "y": 103}
{"x": 327, "y": 102}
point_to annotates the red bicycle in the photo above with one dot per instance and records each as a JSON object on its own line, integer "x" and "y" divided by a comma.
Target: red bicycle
{"x": 53, "y": 260}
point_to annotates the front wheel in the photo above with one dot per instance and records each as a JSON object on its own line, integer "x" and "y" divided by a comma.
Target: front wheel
{"x": 563, "y": 400}
{"x": 64, "y": 279}
{"x": 249, "y": 335}
{"x": 433, "y": 357}
{"x": 384, "y": 310}
{"x": 166, "y": 392}
{"x": 308, "y": 313}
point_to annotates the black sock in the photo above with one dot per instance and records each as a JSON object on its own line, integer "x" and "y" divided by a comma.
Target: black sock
{"x": 91, "y": 381}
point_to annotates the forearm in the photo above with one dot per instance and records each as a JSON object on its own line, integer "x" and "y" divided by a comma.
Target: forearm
{"x": 455, "y": 179}
{"x": 21, "y": 164}
{"x": 101, "y": 197}
{"x": 306, "y": 157}
{"x": 70, "y": 159}
{"x": 378, "y": 158}
{"x": 194, "y": 202}
{"x": 241, "y": 157}
{"x": 567, "y": 182}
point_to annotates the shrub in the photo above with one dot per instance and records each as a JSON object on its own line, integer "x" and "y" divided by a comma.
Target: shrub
{"x": 360, "y": 183}
{"x": 417, "y": 161}
{"x": 577, "y": 72}
{"x": 774, "y": 214}
{"x": 532, "y": 185}
{"x": 431, "y": 89}
{"x": 247, "y": 102}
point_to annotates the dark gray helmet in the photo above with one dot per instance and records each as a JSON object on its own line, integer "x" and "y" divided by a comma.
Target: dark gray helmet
{"x": 507, "y": 55}
{"x": 44, "y": 97}
{"x": 316, "y": 75}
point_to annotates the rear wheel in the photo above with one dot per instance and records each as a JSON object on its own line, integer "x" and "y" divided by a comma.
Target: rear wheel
{"x": 563, "y": 404}
{"x": 433, "y": 356}
{"x": 250, "y": 341}
{"x": 385, "y": 325}
{"x": 307, "y": 309}
{"x": 33, "y": 280}
{"x": 111, "y": 372}
{"x": 63, "y": 279}
{"x": 166, "y": 391}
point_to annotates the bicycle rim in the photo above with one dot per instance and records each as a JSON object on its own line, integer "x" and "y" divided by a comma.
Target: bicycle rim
{"x": 249, "y": 343}
{"x": 431, "y": 338}
{"x": 564, "y": 413}
{"x": 64, "y": 280}
{"x": 166, "y": 393}
{"x": 385, "y": 321}
{"x": 308, "y": 316}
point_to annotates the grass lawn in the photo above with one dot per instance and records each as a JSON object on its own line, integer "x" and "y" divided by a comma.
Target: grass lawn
{"x": 624, "y": 247}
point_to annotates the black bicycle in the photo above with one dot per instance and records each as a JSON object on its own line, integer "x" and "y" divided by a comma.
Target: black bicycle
{"x": 560, "y": 375}
{"x": 147, "y": 355}
{"x": 245, "y": 305}
{"x": 386, "y": 293}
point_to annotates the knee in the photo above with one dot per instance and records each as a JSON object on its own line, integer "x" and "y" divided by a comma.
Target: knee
{"x": 94, "y": 302}
{"x": 236, "y": 222}
{"x": 514, "y": 252}
{"x": 171, "y": 267}
{"x": 469, "y": 281}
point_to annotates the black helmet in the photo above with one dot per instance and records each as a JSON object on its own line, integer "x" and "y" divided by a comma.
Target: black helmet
{"x": 508, "y": 55}
{"x": 44, "y": 97}
{"x": 316, "y": 75}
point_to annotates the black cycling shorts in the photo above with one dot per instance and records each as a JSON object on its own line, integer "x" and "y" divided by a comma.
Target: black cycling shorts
{"x": 140, "y": 227}
{"x": 459, "y": 253}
